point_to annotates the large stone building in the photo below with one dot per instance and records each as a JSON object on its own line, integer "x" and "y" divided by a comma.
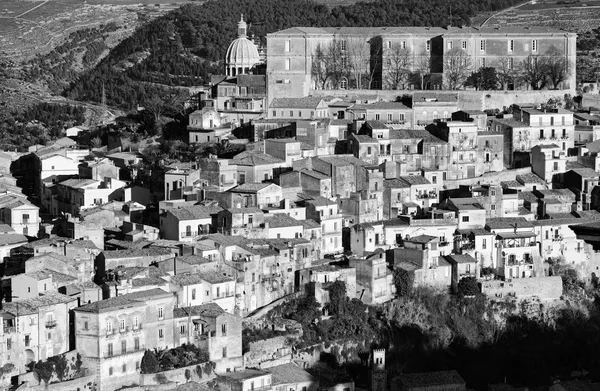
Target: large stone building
{"x": 293, "y": 54}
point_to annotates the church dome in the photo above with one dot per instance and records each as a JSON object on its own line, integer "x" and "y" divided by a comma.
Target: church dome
{"x": 242, "y": 53}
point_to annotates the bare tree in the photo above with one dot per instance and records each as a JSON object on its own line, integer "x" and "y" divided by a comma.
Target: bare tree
{"x": 358, "y": 55}
{"x": 422, "y": 67}
{"x": 397, "y": 67}
{"x": 329, "y": 65}
{"x": 172, "y": 101}
{"x": 320, "y": 67}
{"x": 533, "y": 72}
{"x": 556, "y": 65}
{"x": 505, "y": 71}
{"x": 457, "y": 68}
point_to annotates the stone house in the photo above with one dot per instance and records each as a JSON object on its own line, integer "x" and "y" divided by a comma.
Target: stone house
{"x": 256, "y": 167}
{"x": 290, "y": 377}
{"x": 212, "y": 329}
{"x": 114, "y": 333}
{"x": 188, "y": 222}
{"x": 205, "y": 287}
{"x": 36, "y": 328}
{"x": 110, "y": 260}
{"x": 374, "y": 280}
{"x": 20, "y": 214}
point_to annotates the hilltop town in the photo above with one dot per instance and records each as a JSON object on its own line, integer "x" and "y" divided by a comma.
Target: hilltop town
{"x": 345, "y": 208}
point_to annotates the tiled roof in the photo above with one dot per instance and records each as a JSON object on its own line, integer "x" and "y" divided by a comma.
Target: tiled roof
{"x": 195, "y": 212}
{"x": 290, "y": 374}
{"x": 342, "y": 160}
{"x": 395, "y": 184}
{"x": 415, "y": 180}
{"x": 136, "y": 253}
{"x": 210, "y": 310}
{"x": 320, "y": 201}
{"x": 250, "y": 187}
{"x": 10, "y": 239}
{"x": 128, "y": 300}
{"x": 380, "y": 106}
{"x": 308, "y": 102}
{"x": 5, "y": 228}
{"x": 33, "y": 305}
{"x": 530, "y": 178}
{"x": 193, "y": 259}
{"x": 252, "y": 158}
{"x": 422, "y": 239}
{"x": 586, "y": 172}
{"x": 78, "y": 183}
{"x": 508, "y": 223}
{"x": 460, "y": 258}
{"x": 147, "y": 281}
{"x": 280, "y": 220}
{"x": 363, "y": 138}
{"x": 310, "y": 224}
{"x": 415, "y": 134}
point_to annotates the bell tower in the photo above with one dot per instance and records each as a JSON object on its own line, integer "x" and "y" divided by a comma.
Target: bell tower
{"x": 377, "y": 371}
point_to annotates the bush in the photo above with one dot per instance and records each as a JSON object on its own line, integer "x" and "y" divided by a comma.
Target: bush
{"x": 404, "y": 281}
{"x": 468, "y": 286}
{"x": 149, "y": 363}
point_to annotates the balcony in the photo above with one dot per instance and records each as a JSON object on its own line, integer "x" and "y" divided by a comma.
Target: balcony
{"x": 137, "y": 329}
{"x": 517, "y": 262}
{"x": 50, "y": 324}
{"x": 516, "y": 244}
{"x": 124, "y": 330}
{"x": 189, "y": 234}
{"x": 430, "y": 195}
{"x": 10, "y": 329}
{"x": 468, "y": 246}
{"x": 223, "y": 295}
{"x": 138, "y": 349}
{"x": 444, "y": 244}
{"x": 557, "y": 239}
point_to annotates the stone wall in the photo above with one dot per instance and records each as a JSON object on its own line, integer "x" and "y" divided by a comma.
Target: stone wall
{"x": 271, "y": 349}
{"x": 344, "y": 351}
{"x": 467, "y": 100}
{"x": 85, "y": 383}
{"x": 198, "y": 373}
{"x": 546, "y": 288}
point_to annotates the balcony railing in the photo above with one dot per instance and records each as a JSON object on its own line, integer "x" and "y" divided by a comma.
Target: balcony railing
{"x": 224, "y": 295}
{"x": 9, "y": 330}
{"x": 139, "y": 348}
{"x": 136, "y": 329}
{"x": 444, "y": 244}
{"x": 189, "y": 234}
{"x": 468, "y": 246}
{"x": 50, "y": 324}
{"x": 528, "y": 261}
{"x": 557, "y": 239}
{"x": 427, "y": 195}
{"x": 124, "y": 330}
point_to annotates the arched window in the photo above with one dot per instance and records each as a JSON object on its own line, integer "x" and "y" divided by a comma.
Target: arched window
{"x": 344, "y": 83}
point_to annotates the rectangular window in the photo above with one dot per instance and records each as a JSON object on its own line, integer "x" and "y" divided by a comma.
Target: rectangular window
{"x": 343, "y": 45}
{"x": 9, "y": 344}
{"x": 224, "y": 351}
{"x": 287, "y": 64}
{"x": 484, "y": 244}
{"x": 534, "y": 45}
{"x": 541, "y": 134}
{"x": 449, "y": 45}
{"x": 465, "y": 219}
{"x": 510, "y": 63}
{"x": 434, "y": 179}
{"x": 482, "y": 63}
{"x": 389, "y": 44}
{"x": 160, "y": 313}
{"x": 291, "y": 113}
{"x": 376, "y": 117}
{"x": 428, "y": 45}
{"x": 287, "y": 45}
{"x": 110, "y": 371}
{"x": 123, "y": 347}
{"x": 511, "y": 45}
{"x": 482, "y": 45}
{"x": 110, "y": 350}
{"x": 299, "y": 113}
{"x": 403, "y": 44}
{"x": 85, "y": 325}
{"x": 274, "y": 113}
{"x": 390, "y": 117}
{"x": 136, "y": 344}
{"x": 368, "y": 150}
{"x": 464, "y": 45}
{"x": 182, "y": 329}
{"x": 161, "y": 333}
{"x": 555, "y": 166}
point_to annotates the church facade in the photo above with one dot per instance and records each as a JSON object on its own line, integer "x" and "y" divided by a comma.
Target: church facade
{"x": 297, "y": 56}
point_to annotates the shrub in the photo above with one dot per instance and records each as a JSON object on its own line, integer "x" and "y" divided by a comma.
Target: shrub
{"x": 161, "y": 378}
{"x": 468, "y": 286}
{"x": 404, "y": 281}
{"x": 149, "y": 363}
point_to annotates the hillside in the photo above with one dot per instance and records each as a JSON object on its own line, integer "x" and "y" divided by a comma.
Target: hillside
{"x": 186, "y": 45}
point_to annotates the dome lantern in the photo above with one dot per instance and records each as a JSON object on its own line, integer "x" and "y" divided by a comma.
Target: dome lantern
{"x": 242, "y": 53}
